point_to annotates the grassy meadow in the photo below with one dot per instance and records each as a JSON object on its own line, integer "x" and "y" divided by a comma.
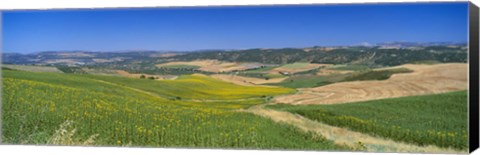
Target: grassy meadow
{"x": 69, "y": 109}
{"x": 439, "y": 119}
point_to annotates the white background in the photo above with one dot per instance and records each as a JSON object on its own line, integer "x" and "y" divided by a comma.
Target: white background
{"x": 47, "y": 4}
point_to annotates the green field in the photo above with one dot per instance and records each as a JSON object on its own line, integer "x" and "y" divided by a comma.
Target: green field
{"x": 439, "y": 119}
{"x": 376, "y": 75}
{"x": 181, "y": 66}
{"x": 31, "y": 68}
{"x": 427, "y": 62}
{"x": 307, "y": 81}
{"x": 312, "y": 80}
{"x": 296, "y": 65}
{"x": 350, "y": 67}
{"x": 260, "y": 70}
{"x": 70, "y": 109}
{"x": 75, "y": 70}
{"x": 198, "y": 87}
{"x": 262, "y": 75}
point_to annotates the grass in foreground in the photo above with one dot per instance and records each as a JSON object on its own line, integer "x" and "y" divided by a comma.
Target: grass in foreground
{"x": 439, "y": 119}
{"x": 38, "y": 105}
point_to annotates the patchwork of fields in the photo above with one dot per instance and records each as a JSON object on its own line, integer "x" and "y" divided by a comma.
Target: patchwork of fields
{"x": 105, "y": 113}
{"x": 425, "y": 79}
{"x": 210, "y": 65}
{"x": 228, "y": 110}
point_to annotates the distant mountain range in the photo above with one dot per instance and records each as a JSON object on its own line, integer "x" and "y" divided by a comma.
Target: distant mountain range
{"x": 401, "y": 44}
{"x": 80, "y": 57}
{"x": 391, "y": 53}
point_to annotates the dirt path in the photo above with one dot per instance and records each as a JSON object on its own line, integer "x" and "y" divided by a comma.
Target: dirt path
{"x": 426, "y": 79}
{"x": 344, "y": 136}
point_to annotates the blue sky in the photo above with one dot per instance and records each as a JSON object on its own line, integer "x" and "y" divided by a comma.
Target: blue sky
{"x": 197, "y": 28}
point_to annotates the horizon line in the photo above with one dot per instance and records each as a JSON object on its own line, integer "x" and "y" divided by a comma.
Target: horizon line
{"x": 362, "y": 44}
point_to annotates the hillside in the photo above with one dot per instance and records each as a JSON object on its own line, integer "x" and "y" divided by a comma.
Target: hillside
{"x": 356, "y": 55}
{"x": 425, "y": 79}
{"x": 101, "y": 110}
{"x": 438, "y": 119}
{"x": 224, "y": 99}
{"x": 147, "y": 62}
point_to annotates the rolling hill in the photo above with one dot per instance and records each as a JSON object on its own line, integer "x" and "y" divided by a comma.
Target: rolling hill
{"x": 70, "y": 109}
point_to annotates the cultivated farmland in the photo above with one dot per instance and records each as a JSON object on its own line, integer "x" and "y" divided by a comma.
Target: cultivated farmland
{"x": 97, "y": 112}
{"x": 425, "y": 79}
{"x": 340, "y": 99}
{"x": 432, "y": 119}
{"x": 210, "y": 65}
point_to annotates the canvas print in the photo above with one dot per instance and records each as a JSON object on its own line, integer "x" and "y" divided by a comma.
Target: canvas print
{"x": 346, "y": 77}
